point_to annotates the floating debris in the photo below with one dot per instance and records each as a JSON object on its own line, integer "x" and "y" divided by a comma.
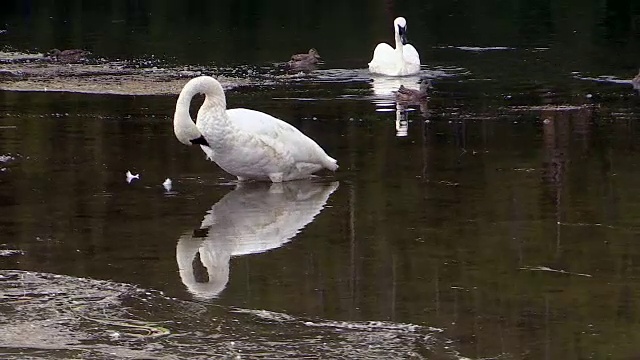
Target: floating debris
{"x": 10, "y": 252}
{"x": 6, "y": 158}
{"x": 139, "y": 329}
{"x": 551, "y": 107}
{"x": 131, "y": 176}
{"x": 544, "y": 268}
{"x": 167, "y": 184}
{"x": 480, "y": 49}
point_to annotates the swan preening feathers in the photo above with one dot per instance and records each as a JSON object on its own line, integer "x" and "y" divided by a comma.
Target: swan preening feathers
{"x": 246, "y": 143}
{"x": 401, "y": 61}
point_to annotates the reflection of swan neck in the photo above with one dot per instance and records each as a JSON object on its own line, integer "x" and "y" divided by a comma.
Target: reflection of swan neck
{"x": 215, "y": 260}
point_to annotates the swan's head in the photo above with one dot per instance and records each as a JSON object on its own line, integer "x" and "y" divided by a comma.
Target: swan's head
{"x": 190, "y": 136}
{"x": 400, "y": 27}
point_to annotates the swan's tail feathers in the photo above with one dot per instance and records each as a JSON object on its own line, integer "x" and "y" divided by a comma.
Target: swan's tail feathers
{"x": 331, "y": 163}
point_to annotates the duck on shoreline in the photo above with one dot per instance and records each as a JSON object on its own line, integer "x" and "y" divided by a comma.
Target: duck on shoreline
{"x": 67, "y": 56}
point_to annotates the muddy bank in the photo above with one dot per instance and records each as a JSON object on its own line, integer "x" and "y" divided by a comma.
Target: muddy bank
{"x": 30, "y": 72}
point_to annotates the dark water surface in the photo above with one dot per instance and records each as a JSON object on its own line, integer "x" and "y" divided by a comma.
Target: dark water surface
{"x": 499, "y": 220}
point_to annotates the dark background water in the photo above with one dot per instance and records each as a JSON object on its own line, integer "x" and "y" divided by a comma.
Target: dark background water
{"x": 523, "y": 164}
{"x": 583, "y": 35}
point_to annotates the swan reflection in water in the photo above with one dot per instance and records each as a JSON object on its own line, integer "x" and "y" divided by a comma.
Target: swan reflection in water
{"x": 384, "y": 92}
{"x": 385, "y": 86}
{"x": 402, "y": 121}
{"x": 402, "y": 114}
{"x": 253, "y": 218}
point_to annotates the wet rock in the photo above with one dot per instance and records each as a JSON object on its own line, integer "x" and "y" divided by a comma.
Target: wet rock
{"x": 10, "y": 72}
{"x": 189, "y": 74}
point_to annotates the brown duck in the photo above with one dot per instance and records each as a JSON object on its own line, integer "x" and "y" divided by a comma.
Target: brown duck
{"x": 304, "y": 62}
{"x": 67, "y": 56}
{"x": 407, "y": 95}
{"x": 311, "y": 57}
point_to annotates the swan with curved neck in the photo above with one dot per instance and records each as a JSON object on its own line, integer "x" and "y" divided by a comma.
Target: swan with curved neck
{"x": 248, "y": 144}
{"x": 399, "y": 61}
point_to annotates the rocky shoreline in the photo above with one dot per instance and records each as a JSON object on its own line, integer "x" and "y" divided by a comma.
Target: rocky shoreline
{"x": 32, "y": 72}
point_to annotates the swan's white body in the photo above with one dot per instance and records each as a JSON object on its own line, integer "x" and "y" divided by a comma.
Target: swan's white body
{"x": 246, "y": 143}
{"x": 401, "y": 61}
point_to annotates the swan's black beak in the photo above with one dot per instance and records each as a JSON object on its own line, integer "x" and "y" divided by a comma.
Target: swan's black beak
{"x": 200, "y": 141}
{"x": 402, "y": 31}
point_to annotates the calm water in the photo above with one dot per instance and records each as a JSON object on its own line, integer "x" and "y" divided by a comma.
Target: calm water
{"x": 498, "y": 220}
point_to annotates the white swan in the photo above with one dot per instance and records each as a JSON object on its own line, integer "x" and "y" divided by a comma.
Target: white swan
{"x": 401, "y": 61}
{"x": 246, "y": 143}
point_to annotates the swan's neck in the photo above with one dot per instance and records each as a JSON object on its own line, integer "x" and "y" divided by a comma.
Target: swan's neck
{"x": 212, "y": 111}
{"x": 399, "y": 45}
{"x": 206, "y": 85}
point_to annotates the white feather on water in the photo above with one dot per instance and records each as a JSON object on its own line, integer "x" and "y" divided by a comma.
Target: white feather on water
{"x": 167, "y": 184}
{"x": 131, "y": 176}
